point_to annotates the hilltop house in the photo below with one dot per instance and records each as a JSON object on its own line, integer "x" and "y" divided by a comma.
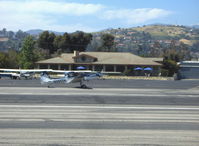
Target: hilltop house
{"x": 98, "y": 61}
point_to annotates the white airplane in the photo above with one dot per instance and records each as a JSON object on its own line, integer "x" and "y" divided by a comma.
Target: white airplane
{"x": 70, "y": 77}
{"x": 10, "y": 75}
{"x": 21, "y": 73}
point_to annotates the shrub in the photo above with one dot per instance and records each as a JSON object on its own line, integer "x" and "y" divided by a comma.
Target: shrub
{"x": 164, "y": 72}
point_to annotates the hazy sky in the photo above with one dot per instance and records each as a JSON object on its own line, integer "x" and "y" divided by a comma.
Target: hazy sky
{"x": 95, "y": 15}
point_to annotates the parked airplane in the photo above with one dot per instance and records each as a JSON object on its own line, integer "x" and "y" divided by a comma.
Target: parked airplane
{"x": 10, "y": 75}
{"x": 70, "y": 77}
{"x": 21, "y": 73}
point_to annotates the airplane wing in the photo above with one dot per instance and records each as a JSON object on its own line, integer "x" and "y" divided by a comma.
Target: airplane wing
{"x": 26, "y": 70}
{"x": 26, "y": 73}
{"x": 69, "y": 71}
{"x": 35, "y": 70}
{"x": 9, "y": 70}
{"x": 10, "y": 75}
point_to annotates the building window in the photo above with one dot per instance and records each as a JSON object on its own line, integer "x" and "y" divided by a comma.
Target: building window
{"x": 54, "y": 66}
{"x": 89, "y": 67}
{"x": 120, "y": 68}
{"x": 83, "y": 58}
{"x": 185, "y": 69}
{"x": 99, "y": 67}
{"x": 110, "y": 68}
{"x": 64, "y": 67}
{"x": 43, "y": 66}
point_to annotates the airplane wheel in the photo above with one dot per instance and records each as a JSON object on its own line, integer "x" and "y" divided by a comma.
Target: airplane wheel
{"x": 83, "y": 86}
{"x": 49, "y": 86}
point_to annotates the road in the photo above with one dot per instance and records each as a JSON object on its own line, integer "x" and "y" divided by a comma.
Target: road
{"x": 35, "y": 115}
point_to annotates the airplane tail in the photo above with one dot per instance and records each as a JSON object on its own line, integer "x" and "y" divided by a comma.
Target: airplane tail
{"x": 44, "y": 78}
{"x": 68, "y": 78}
{"x": 99, "y": 74}
{"x": 93, "y": 76}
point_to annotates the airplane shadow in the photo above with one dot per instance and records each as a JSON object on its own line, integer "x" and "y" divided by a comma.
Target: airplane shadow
{"x": 84, "y": 87}
{"x": 72, "y": 87}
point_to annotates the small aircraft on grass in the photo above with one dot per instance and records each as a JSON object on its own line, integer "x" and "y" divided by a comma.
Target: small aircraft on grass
{"x": 70, "y": 77}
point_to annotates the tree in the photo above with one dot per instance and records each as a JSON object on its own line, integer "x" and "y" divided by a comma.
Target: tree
{"x": 184, "y": 51}
{"x": 171, "y": 57}
{"x": 177, "y": 52}
{"x": 46, "y": 40}
{"x": 27, "y": 57}
{"x": 13, "y": 59}
{"x": 20, "y": 35}
{"x": 108, "y": 44}
{"x": 173, "y": 54}
{"x": 3, "y": 60}
{"x": 50, "y": 43}
{"x": 40, "y": 54}
{"x": 57, "y": 42}
{"x": 4, "y": 31}
{"x": 9, "y": 59}
{"x": 156, "y": 50}
{"x": 143, "y": 50}
{"x": 79, "y": 41}
{"x": 195, "y": 47}
{"x": 94, "y": 44}
{"x": 170, "y": 66}
{"x": 65, "y": 43}
{"x": 10, "y": 34}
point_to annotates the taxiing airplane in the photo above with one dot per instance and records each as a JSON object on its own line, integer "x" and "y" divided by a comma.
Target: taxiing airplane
{"x": 70, "y": 77}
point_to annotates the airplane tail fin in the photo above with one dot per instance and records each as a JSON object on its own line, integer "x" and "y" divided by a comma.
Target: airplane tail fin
{"x": 44, "y": 77}
{"x": 99, "y": 74}
{"x": 92, "y": 76}
{"x": 68, "y": 79}
{"x": 44, "y": 74}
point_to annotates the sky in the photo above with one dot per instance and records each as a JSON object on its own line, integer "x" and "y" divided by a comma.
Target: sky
{"x": 95, "y": 15}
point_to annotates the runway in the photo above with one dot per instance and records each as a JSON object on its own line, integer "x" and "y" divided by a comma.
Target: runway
{"x": 98, "y": 125}
{"x": 36, "y": 115}
{"x": 108, "y": 83}
{"x": 128, "y": 96}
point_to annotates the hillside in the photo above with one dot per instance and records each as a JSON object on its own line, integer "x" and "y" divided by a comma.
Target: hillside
{"x": 132, "y": 39}
{"x": 138, "y": 40}
{"x": 164, "y": 31}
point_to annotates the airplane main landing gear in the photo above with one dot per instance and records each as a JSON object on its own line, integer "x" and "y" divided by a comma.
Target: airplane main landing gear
{"x": 83, "y": 85}
{"x": 50, "y": 86}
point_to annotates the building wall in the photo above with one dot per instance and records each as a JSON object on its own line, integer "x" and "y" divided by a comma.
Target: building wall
{"x": 189, "y": 73}
{"x": 188, "y": 70}
{"x": 105, "y": 68}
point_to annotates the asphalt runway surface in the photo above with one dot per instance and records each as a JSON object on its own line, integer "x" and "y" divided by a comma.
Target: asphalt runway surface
{"x": 109, "y": 83}
{"x": 112, "y": 112}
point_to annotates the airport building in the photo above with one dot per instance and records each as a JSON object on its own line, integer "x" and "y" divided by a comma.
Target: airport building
{"x": 116, "y": 62}
{"x": 188, "y": 70}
